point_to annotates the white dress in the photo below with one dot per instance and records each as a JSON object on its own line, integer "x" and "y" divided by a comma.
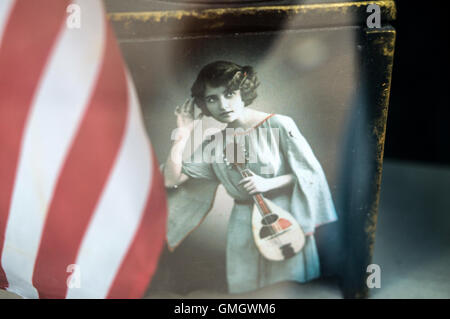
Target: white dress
{"x": 309, "y": 200}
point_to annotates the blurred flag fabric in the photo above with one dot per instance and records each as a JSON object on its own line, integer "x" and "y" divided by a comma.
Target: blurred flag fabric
{"x": 82, "y": 201}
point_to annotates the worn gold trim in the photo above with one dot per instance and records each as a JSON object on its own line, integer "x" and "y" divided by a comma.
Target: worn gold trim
{"x": 382, "y": 41}
{"x": 209, "y": 14}
{"x": 386, "y": 43}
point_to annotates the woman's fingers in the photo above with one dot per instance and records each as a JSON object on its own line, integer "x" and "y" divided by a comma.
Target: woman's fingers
{"x": 186, "y": 109}
{"x": 187, "y": 106}
{"x": 191, "y": 107}
{"x": 251, "y": 172}
{"x": 177, "y": 110}
{"x": 249, "y": 186}
{"x": 253, "y": 190}
{"x": 245, "y": 179}
{"x": 180, "y": 108}
{"x": 183, "y": 106}
{"x": 191, "y": 103}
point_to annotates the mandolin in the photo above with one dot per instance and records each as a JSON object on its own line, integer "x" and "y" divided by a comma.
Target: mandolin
{"x": 277, "y": 234}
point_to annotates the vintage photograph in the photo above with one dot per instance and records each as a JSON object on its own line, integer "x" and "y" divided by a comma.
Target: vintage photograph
{"x": 250, "y": 132}
{"x": 265, "y": 242}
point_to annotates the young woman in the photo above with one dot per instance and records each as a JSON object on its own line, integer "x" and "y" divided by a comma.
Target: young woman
{"x": 289, "y": 175}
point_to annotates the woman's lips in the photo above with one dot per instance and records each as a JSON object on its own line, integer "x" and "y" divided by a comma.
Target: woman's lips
{"x": 226, "y": 113}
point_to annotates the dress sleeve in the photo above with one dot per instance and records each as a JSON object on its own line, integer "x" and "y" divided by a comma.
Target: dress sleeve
{"x": 311, "y": 201}
{"x": 199, "y": 164}
{"x": 189, "y": 203}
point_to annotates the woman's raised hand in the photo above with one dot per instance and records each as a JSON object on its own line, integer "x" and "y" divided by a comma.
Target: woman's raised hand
{"x": 185, "y": 118}
{"x": 185, "y": 114}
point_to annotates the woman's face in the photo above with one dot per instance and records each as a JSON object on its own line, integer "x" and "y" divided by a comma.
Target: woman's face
{"x": 225, "y": 106}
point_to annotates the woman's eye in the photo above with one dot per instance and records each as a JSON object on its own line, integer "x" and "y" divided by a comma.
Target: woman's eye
{"x": 210, "y": 100}
{"x": 229, "y": 94}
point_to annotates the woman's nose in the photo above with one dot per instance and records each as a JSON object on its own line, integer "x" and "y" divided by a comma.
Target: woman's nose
{"x": 223, "y": 103}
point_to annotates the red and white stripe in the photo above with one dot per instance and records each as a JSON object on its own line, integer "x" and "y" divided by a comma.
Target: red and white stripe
{"x": 79, "y": 183}
{"x": 5, "y": 8}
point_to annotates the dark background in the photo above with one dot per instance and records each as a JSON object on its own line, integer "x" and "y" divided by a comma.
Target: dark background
{"x": 418, "y": 122}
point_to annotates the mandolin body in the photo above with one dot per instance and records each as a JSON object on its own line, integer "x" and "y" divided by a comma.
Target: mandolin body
{"x": 277, "y": 235}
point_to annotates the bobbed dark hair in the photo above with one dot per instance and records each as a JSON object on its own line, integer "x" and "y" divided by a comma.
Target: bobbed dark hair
{"x": 223, "y": 73}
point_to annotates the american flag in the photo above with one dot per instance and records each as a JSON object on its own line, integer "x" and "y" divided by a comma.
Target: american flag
{"x": 82, "y": 202}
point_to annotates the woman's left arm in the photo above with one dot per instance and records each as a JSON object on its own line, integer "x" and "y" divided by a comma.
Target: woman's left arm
{"x": 258, "y": 184}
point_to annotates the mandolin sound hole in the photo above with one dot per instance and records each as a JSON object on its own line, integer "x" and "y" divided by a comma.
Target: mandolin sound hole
{"x": 265, "y": 232}
{"x": 269, "y": 219}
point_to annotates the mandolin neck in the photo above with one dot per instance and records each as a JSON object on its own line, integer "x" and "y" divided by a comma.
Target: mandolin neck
{"x": 258, "y": 198}
{"x": 263, "y": 208}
